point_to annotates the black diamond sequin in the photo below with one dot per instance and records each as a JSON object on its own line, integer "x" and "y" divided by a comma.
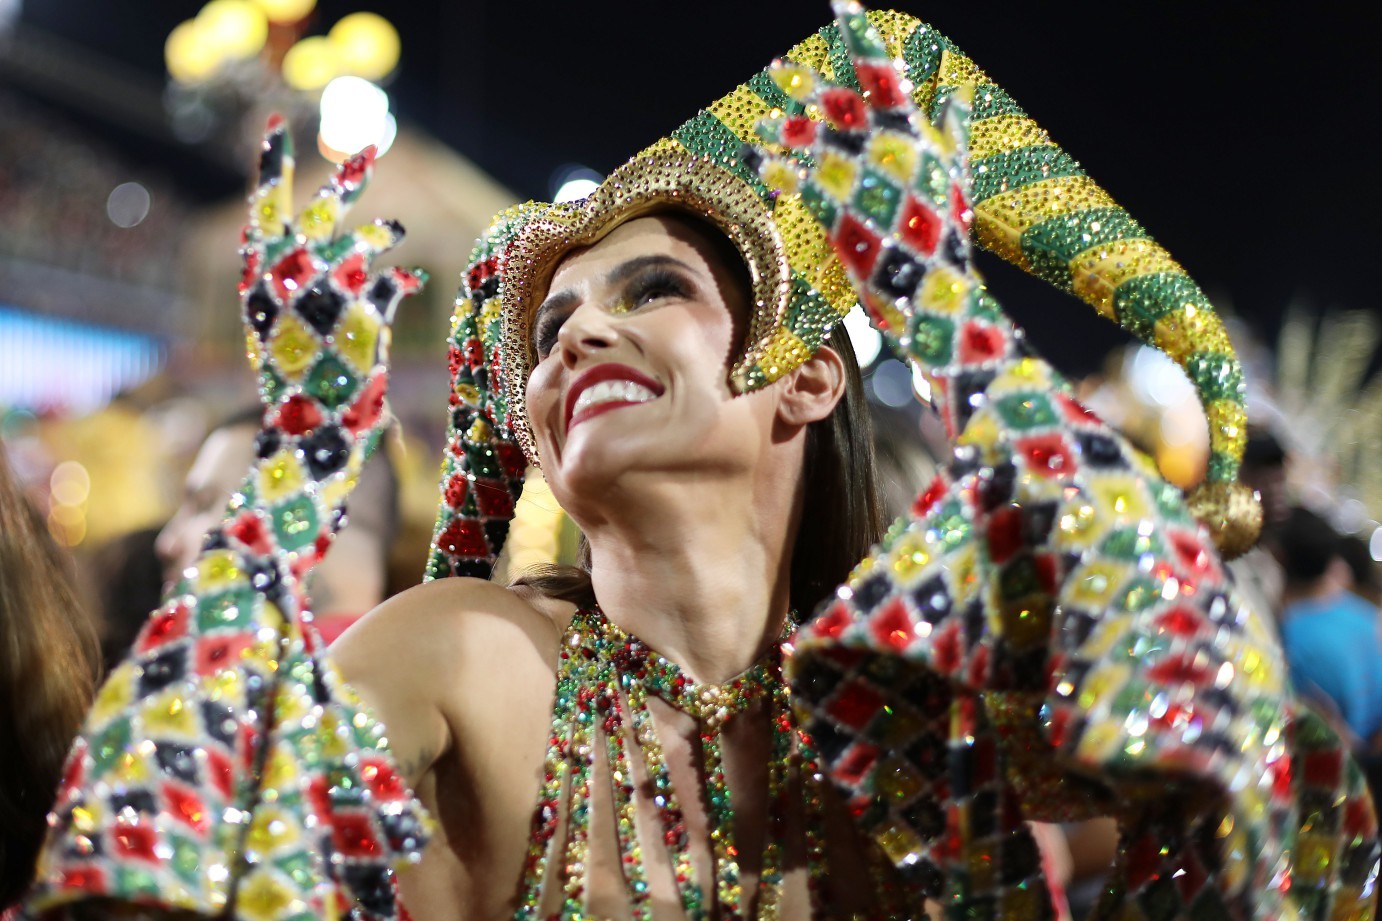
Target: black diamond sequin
{"x": 321, "y": 307}
{"x": 326, "y": 450}
{"x": 260, "y": 311}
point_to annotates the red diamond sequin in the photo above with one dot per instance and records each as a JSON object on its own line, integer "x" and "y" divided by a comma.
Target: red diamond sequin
{"x": 1075, "y": 411}
{"x": 219, "y": 772}
{"x": 456, "y": 489}
{"x": 511, "y": 457}
{"x": 857, "y": 245}
{"x": 135, "y": 842}
{"x": 1047, "y": 455}
{"x": 1177, "y": 669}
{"x": 163, "y": 628}
{"x": 1180, "y": 621}
{"x": 186, "y": 807}
{"x": 350, "y": 275}
{"x": 919, "y": 226}
{"x": 892, "y": 626}
{"x": 494, "y": 499}
{"x": 383, "y": 781}
{"x": 798, "y": 131}
{"x": 291, "y": 272}
{"x": 251, "y": 271}
{"x": 353, "y": 836}
{"x": 217, "y": 653}
{"x": 882, "y": 84}
{"x": 929, "y": 498}
{"x": 855, "y": 704}
{"x": 298, "y": 415}
{"x": 368, "y": 406}
{"x": 855, "y": 764}
{"x": 248, "y": 528}
{"x": 980, "y": 342}
{"x": 463, "y": 537}
{"x": 833, "y": 622}
{"x": 844, "y": 108}
{"x": 959, "y": 208}
{"x": 1005, "y": 533}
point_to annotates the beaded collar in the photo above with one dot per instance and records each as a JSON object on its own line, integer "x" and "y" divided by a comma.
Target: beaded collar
{"x": 604, "y": 679}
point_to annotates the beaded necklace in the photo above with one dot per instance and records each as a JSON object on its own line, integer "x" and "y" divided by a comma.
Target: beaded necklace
{"x": 604, "y": 679}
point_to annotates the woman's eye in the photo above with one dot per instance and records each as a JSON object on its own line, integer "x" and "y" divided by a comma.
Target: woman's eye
{"x": 655, "y": 286}
{"x": 545, "y": 336}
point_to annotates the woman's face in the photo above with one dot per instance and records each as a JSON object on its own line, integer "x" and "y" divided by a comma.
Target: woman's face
{"x": 632, "y": 345}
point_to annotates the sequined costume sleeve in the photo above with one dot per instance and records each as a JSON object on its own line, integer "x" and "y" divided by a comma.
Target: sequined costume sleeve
{"x": 223, "y": 770}
{"x": 1050, "y": 634}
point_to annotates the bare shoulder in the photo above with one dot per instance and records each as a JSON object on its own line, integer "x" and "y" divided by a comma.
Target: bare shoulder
{"x": 424, "y": 658}
{"x": 452, "y": 620}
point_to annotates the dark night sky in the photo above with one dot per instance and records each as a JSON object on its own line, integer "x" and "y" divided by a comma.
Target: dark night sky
{"x": 1240, "y": 134}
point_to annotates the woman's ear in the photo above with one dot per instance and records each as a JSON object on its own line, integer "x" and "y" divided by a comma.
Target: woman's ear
{"x": 812, "y": 390}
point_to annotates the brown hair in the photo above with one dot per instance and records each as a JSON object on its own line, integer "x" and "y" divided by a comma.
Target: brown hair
{"x": 842, "y": 516}
{"x": 48, "y": 656}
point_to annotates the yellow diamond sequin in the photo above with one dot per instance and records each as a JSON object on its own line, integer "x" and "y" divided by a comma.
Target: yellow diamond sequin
{"x": 1122, "y": 495}
{"x": 909, "y": 557}
{"x": 793, "y": 79}
{"x": 893, "y": 154}
{"x": 263, "y": 897}
{"x": 115, "y": 695}
{"x": 357, "y": 337}
{"x": 217, "y": 571}
{"x": 281, "y": 476}
{"x": 292, "y": 347}
{"x": 318, "y": 220}
{"x": 170, "y": 713}
{"x": 782, "y": 354}
{"x": 377, "y": 236}
{"x": 944, "y": 290}
{"x": 836, "y": 174}
{"x": 1095, "y": 583}
{"x": 780, "y": 177}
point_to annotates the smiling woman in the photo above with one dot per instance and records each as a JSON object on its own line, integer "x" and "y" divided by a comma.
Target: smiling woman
{"x": 1048, "y": 635}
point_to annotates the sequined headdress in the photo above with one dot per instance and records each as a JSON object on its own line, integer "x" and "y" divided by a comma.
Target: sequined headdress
{"x": 1033, "y": 206}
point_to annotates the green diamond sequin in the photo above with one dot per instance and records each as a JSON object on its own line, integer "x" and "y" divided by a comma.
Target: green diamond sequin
{"x": 331, "y": 381}
{"x": 933, "y": 338}
{"x": 296, "y": 523}
{"x": 877, "y": 197}
{"x": 228, "y": 610}
{"x": 1026, "y": 410}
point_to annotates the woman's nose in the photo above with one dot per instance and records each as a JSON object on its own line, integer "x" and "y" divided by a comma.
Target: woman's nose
{"x": 587, "y": 330}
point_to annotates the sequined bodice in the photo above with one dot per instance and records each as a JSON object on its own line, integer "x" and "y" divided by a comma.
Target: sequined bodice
{"x": 604, "y": 681}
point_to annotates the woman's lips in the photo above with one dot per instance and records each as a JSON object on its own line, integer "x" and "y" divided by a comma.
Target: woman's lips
{"x": 606, "y": 387}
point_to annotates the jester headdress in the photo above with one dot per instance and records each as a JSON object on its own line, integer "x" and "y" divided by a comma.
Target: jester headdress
{"x": 1033, "y": 206}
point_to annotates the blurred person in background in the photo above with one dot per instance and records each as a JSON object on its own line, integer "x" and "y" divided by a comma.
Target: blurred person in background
{"x": 1330, "y": 635}
{"x": 48, "y": 671}
{"x": 1257, "y": 574}
{"x": 353, "y": 578}
{"x": 1364, "y": 578}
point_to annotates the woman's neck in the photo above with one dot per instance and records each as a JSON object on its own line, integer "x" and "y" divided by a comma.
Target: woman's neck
{"x": 698, "y": 571}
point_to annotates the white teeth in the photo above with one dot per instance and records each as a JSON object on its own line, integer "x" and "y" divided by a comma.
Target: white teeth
{"x": 613, "y": 392}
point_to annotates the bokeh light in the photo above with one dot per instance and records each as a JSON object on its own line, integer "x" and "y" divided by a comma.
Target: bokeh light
{"x": 311, "y": 64}
{"x": 366, "y": 44}
{"x": 286, "y": 11}
{"x": 355, "y": 114}
{"x": 233, "y": 29}
{"x": 188, "y": 53}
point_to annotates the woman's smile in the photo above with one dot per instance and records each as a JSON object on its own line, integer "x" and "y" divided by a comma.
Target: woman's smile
{"x": 607, "y": 387}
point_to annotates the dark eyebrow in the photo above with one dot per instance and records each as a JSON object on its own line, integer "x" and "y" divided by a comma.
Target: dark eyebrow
{"x": 626, "y": 270}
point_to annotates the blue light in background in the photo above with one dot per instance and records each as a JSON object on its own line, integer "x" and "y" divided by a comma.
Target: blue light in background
{"x": 48, "y": 364}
